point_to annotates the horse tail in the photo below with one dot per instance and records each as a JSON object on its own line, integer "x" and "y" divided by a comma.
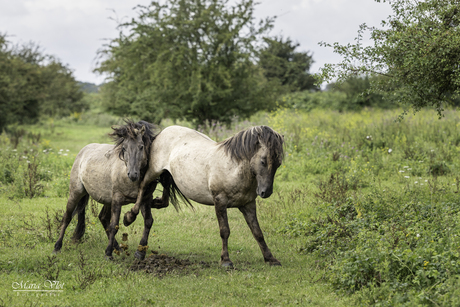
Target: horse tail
{"x": 80, "y": 210}
{"x": 171, "y": 191}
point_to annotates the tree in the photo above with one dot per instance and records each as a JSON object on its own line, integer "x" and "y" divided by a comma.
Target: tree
{"x": 289, "y": 68}
{"x": 193, "y": 60}
{"x": 357, "y": 93}
{"x": 417, "y": 53}
{"x": 33, "y": 84}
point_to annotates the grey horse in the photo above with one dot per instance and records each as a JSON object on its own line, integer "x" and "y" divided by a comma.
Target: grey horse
{"x": 111, "y": 175}
{"x": 229, "y": 174}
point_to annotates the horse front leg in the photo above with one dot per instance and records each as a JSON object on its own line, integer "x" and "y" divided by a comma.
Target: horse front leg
{"x": 221, "y": 213}
{"x": 146, "y": 190}
{"x": 113, "y": 227}
{"x": 148, "y": 221}
{"x": 250, "y": 215}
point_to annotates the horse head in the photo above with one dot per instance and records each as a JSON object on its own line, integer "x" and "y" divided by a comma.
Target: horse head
{"x": 133, "y": 142}
{"x": 134, "y": 154}
{"x": 266, "y": 159}
{"x": 264, "y": 149}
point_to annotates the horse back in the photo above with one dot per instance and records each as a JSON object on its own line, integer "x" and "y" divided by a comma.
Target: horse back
{"x": 199, "y": 166}
{"x": 98, "y": 170}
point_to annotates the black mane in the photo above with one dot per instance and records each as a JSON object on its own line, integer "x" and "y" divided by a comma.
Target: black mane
{"x": 120, "y": 133}
{"x": 243, "y": 145}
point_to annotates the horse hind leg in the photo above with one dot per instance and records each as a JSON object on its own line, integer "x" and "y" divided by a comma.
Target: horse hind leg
{"x": 81, "y": 209}
{"x": 75, "y": 200}
{"x": 104, "y": 218}
{"x": 163, "y": 201}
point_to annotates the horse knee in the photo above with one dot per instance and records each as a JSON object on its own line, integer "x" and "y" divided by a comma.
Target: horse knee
{"x": 224, "y": 232}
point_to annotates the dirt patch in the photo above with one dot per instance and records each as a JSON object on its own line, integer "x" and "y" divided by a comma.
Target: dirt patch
{"x": 160, "y": 265}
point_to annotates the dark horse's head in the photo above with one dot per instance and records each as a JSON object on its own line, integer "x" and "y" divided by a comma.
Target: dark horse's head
{"x": 263, "y": 148}
{"x": 132, "y": 142}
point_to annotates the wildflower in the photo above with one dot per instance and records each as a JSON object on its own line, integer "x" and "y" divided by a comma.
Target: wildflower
{"x": 406, "y": 166}
{"x": 390, "y": 150}
{"x": 418, "y": 235}
{"x": 406, "y": 176}
{"x": 401, "y": 171}
{"x": 28, "y": 161}
{"x": 416, "y": 182}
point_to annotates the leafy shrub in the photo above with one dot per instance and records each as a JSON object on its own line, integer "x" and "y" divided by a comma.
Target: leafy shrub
{"x": 392, "y": 249}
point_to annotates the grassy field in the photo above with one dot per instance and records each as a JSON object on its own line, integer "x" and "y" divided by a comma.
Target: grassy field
{"x": 364, "y": 212}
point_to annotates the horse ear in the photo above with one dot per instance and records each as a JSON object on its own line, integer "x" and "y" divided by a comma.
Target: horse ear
{"x": 142, "y": 131}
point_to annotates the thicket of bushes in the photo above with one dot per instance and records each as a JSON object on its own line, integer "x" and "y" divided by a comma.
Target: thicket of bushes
{"x": 387, "y": 216}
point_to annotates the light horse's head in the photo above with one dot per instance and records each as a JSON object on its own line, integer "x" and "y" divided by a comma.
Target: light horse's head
{"x": 263, "y": 148}
{"x": 133, "y": 141}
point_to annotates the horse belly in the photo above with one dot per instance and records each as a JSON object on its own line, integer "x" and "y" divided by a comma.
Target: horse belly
{"x": 96, "y": 177}
{"x": 191, "y": 178}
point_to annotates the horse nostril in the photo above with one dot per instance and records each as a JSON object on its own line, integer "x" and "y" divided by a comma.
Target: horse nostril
{"x": 262, "y": 194}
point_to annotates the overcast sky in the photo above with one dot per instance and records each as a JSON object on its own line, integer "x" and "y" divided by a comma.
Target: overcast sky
{"x": 73, "y": 30}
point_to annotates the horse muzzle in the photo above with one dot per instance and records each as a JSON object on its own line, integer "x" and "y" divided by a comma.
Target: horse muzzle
{"x": 133, "y": 176}
{"x": 264, "y": 193}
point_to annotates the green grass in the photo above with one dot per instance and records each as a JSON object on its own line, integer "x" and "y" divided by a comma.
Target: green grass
{"x": 379, "y": 182}
{"x": 185, "y": 235}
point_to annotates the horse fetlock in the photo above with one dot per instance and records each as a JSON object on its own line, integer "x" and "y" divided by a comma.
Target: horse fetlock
{"x": 273, "y": 262}
{"x": 227, "y": 264}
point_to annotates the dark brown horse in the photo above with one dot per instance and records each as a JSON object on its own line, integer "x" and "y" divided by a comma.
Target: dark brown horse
{"x": 111, "y": 175}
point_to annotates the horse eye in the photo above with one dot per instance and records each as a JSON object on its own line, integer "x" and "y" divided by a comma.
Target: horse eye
{"x": 141, "y": 147}
{"x": 263, "y": 162}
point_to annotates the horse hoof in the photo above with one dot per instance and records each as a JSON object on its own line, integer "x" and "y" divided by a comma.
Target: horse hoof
{"x": 128, "y": 219}
{"x": 157, "y": 203}
{"x": 139, "y": 255}
{"x": 274, "y": 263}
{"x": 110, "y": 258}
{"x": 227, "y": 265}
{"x": 55, "y": 252}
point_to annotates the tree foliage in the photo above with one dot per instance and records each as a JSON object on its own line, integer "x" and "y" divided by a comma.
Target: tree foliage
{"x": 193, "y": 60}
{"x": 417, "y": 53}
{"x": 33, "y": 84}
{"x": 290, "y": 68}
